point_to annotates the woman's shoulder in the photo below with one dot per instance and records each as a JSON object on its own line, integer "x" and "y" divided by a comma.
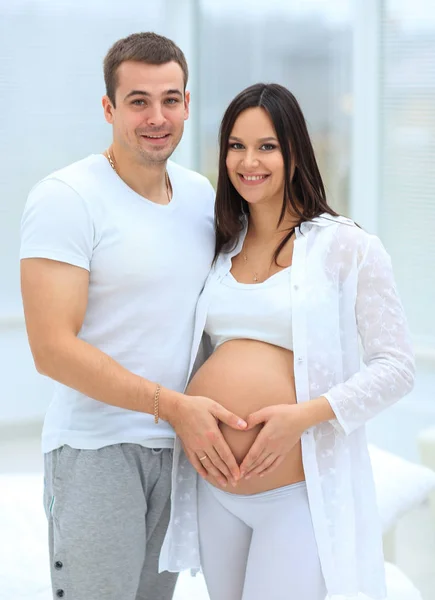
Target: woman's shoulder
{"x": 344, "y": 230}
{"x": 345, "y": 242}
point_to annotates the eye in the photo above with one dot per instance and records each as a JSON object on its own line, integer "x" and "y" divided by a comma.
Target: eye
{"x": 268, "y": 147}
{"x": 235, "y": 146}
{"x": 172, "y": 100}
{"x": 138, "y": 102}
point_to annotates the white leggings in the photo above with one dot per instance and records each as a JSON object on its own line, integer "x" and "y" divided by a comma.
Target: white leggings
{"x": 258, "y": 547}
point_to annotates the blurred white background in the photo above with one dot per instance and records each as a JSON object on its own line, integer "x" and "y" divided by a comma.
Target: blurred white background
{"x": 364, "y": 74}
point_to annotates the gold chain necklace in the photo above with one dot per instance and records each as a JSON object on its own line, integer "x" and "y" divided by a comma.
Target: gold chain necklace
{"x": 112, "y": 164}
{"x": 245, "y": 260}
{"x": 255, "y": 278}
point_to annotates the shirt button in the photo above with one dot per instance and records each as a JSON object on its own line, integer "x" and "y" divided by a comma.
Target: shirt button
{"x": 296, "y": 287}
{"x": 60, "y": 593}
{"x": 300, "y": 360}
{"x": 58, "y": 565}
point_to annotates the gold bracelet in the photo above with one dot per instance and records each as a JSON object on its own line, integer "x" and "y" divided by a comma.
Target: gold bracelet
{"x": 156, "y": 403}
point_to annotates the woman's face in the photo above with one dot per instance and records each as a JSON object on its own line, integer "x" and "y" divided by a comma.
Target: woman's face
{"x": 254, "y": 161}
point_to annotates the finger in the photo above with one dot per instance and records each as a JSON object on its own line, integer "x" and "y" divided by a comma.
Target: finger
{"x": 227, "y": 457}
{"x": 196, "y": 463}
{"x": 265, "y": 464}
{"x": 219, "y": 463}
{"x": 228, "y": 417}
{"x": 258, "y": 417}
{"x": 214, "y": 472}
{"x": 259, "y": 460}
{"x": 273, "y": 466}
{"x": 256, "y": 450}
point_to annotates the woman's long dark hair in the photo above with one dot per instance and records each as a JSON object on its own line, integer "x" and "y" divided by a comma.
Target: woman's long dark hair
{"x": 304, "y": 193}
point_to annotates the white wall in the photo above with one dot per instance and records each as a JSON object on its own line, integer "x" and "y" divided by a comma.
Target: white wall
{"x": 388, "y": 189}
{"x": 24, "y": 393}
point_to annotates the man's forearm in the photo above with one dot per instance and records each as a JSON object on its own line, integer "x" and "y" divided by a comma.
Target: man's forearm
{"x": 83, "y": 367}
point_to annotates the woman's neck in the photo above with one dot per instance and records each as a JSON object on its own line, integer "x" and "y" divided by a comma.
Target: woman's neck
{"x": 263, "y": 223}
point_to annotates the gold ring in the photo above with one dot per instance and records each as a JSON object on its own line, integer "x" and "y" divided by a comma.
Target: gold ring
{"x": 203, "y": 458}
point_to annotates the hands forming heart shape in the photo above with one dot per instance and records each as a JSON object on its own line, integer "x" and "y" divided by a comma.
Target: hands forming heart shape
{"x": 197, "y": 425}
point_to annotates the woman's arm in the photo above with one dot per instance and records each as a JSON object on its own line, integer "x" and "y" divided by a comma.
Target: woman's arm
{"x": 388, "y": 371}
{"x": 387, "y": 374}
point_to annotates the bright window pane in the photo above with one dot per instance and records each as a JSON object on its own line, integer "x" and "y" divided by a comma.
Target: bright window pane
{"x": 304, "y": 46}
{"x": 407, "y": 208}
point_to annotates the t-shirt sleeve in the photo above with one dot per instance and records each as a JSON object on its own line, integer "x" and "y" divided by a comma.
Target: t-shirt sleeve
{"x": 57, "y": 225}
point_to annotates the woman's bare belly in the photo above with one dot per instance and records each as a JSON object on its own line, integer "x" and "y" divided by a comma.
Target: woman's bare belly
{"x": 245, "y": 376}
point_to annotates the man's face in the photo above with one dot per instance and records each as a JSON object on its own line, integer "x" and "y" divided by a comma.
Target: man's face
{"x": 151, "y": 108}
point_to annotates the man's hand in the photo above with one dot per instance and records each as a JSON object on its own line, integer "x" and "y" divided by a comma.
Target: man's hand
{"x": 195, "y": 420}
{"x": 282, "y": 430}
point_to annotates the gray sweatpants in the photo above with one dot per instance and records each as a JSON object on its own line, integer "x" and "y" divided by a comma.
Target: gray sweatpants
{"x": 108, "y": 511}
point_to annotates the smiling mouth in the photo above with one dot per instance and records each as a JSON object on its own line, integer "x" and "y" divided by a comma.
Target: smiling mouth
{"x": 252, "y": 179}
{"x": 156, "y": 138}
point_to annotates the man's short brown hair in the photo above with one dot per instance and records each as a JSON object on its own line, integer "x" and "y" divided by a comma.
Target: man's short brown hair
{"x": 147, "y": 47}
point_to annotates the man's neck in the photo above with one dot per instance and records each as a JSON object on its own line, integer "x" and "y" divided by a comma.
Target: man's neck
{"x": 146, "y": 179}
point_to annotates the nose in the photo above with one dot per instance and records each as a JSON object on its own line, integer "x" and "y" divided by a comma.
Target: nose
{"x": 155, "y": 117}
{"x": 250, "y": 160}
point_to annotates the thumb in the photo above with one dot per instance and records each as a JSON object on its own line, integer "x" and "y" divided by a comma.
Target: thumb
{"x": 260, "y": 416}
{"x": 229, "y": 418}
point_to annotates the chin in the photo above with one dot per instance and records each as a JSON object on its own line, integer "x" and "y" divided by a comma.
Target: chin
{"x": 252, "y": 202}
{"x": 159, "y": 155}
{"x": 252, "y": 199}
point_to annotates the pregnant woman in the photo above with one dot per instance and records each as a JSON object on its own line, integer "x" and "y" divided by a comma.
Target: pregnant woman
{"x": 293, "y": 289}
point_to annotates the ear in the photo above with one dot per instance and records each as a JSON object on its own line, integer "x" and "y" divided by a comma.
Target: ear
{"x": 108, "y": 109}
{"x": 186, "y": 105}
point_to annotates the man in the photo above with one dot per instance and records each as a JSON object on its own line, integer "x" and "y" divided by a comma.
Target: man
{"x": 115, "y": 251}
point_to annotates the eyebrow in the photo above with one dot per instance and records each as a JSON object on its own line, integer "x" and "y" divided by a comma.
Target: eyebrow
{"x": 266, "y": 139}
{"x": 173, "y": 92}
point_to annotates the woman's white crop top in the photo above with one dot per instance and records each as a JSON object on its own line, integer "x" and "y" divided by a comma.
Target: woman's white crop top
{"x": 254, "y": 311}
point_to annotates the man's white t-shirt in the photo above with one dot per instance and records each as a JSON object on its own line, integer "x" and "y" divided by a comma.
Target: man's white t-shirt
{"x": 147, "y": 263}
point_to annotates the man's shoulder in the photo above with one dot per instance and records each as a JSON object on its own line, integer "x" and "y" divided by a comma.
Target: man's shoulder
{"x": 80, "y": 177}
{"x": 77, "y": 171}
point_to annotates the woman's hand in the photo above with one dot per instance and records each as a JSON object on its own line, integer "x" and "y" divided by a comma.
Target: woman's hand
{"x": 195, "y": 420}
{"x": 283, "y": 427}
